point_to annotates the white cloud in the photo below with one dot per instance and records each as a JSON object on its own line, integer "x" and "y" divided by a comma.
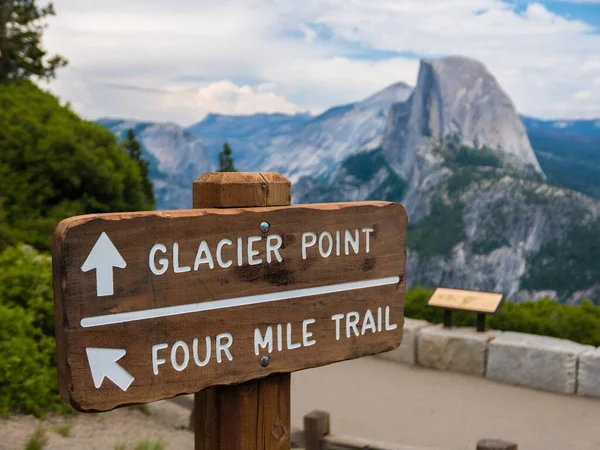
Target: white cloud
{"x": 228, "y": 98}
{"x": 540, "y": 58}
{"x": 582, "y": 95}
{"x": 289, "y": 56}
{"x": 174, "y": 103}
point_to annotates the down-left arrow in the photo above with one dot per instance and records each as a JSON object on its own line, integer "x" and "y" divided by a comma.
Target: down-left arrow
{"x": 103, "y": 364}
{"x": 104, "y": 257}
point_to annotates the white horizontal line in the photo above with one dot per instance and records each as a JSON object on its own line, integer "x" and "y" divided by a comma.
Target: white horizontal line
{"x": 132, "y": 316}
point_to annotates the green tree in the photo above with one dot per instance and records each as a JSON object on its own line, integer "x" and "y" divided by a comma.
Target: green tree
{"x": 226, "y": 160}
{"x": 134, "y": 149}
{"x": 21, "y": 53}
{"x": 54, "y": 165}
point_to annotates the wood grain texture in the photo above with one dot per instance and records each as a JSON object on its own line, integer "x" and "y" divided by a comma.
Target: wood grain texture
{"x": 316, "y": 427}
{"x": 459, "y": 299}
{"x": 248, "y": 416}
{"x": 267, "y": 408}
{"x": 241, "y": 189}
{"x": 279, "y": 189}
{"x": 137, "y": 288}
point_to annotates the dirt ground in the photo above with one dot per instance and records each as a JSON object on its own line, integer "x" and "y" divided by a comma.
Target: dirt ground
{"x": 166, "y": 422}
{"x": 367, "y": 398}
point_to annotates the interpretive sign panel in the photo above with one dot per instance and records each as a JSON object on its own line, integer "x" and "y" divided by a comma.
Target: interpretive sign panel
{"x": 484, "y": 302}
{"x": 156, "y": 304}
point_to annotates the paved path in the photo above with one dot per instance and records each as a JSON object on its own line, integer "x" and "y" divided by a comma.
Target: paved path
{"x": 391, "y": 402}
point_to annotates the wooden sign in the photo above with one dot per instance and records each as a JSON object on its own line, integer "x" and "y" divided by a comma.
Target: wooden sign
{"x": 482, "y": 302}
{"x": 156, "y": 304}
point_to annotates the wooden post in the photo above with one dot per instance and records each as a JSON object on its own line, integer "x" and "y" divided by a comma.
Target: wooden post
{"x": 447, "y": 318}
{"x": 480, "y": 322}
{"x": 495, "y": 444}
{"x": 316, "y": 426}
{"x": 255, "y": 414}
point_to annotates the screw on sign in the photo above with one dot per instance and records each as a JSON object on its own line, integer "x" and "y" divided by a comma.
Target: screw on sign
{"x": 150, "y": 305}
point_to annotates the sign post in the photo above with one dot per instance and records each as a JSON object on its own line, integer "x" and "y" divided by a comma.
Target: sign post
{"x": 224, "y": 301}
{"x": 255, "y": 414}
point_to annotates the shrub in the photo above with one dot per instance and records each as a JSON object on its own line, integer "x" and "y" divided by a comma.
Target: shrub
{"x": 544, "y": 317}
{"x": 28, "y": 381}
{"x": 26, "y": 282}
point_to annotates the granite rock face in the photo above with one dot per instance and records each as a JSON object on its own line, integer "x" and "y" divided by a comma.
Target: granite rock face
{"x": 457, "y": 96}
{"x": 588, "y": 377}
{"x": 407, "y": 352}
{"x": 539, "y": 362}
{"x": 323, "y": 143}
{"x": 501, "y": 223}
{"x": 508, "y": 228}
{"x": 461, "y": 350}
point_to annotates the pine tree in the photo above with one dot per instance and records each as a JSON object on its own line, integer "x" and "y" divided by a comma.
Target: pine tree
{"x": 134, "y": 149}
{"x": 226, "y": 160}
{"x": 21, "y": 53}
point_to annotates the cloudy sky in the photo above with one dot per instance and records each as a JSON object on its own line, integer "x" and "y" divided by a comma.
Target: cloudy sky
{"x": 177, "y": 60}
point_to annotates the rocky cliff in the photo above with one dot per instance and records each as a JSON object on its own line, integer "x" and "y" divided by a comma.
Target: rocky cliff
{"x": 176, "y": 158}
{"x": 481, "y": 226}
{"x": 456, "y": 96}
{"x": 481, "y": 213}
{"x": 324, "y": 142}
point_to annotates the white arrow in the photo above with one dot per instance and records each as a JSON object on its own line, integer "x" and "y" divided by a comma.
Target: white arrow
{"x": 103, "y": 257}
{"x": 103, "y": 364}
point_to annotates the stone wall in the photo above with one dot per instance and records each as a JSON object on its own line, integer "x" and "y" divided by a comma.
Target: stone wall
{"x": 539, "y": 362}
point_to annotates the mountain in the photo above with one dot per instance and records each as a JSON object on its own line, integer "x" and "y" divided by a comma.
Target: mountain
{"x": 248, "y": 135}
{"x": 568, "y": 151}
{"x": 300, "y": 144}
{"x": 492, "y": 197}
{"x": 482, "y": 214}
{"x": 324, "y": 142}
{"x": 176, "y": 158}
{"x": 456, "y": 96}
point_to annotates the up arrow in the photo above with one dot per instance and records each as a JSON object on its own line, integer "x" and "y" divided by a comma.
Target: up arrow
{"x": 103, "y": 364}
{"x": 104, "y": 257}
